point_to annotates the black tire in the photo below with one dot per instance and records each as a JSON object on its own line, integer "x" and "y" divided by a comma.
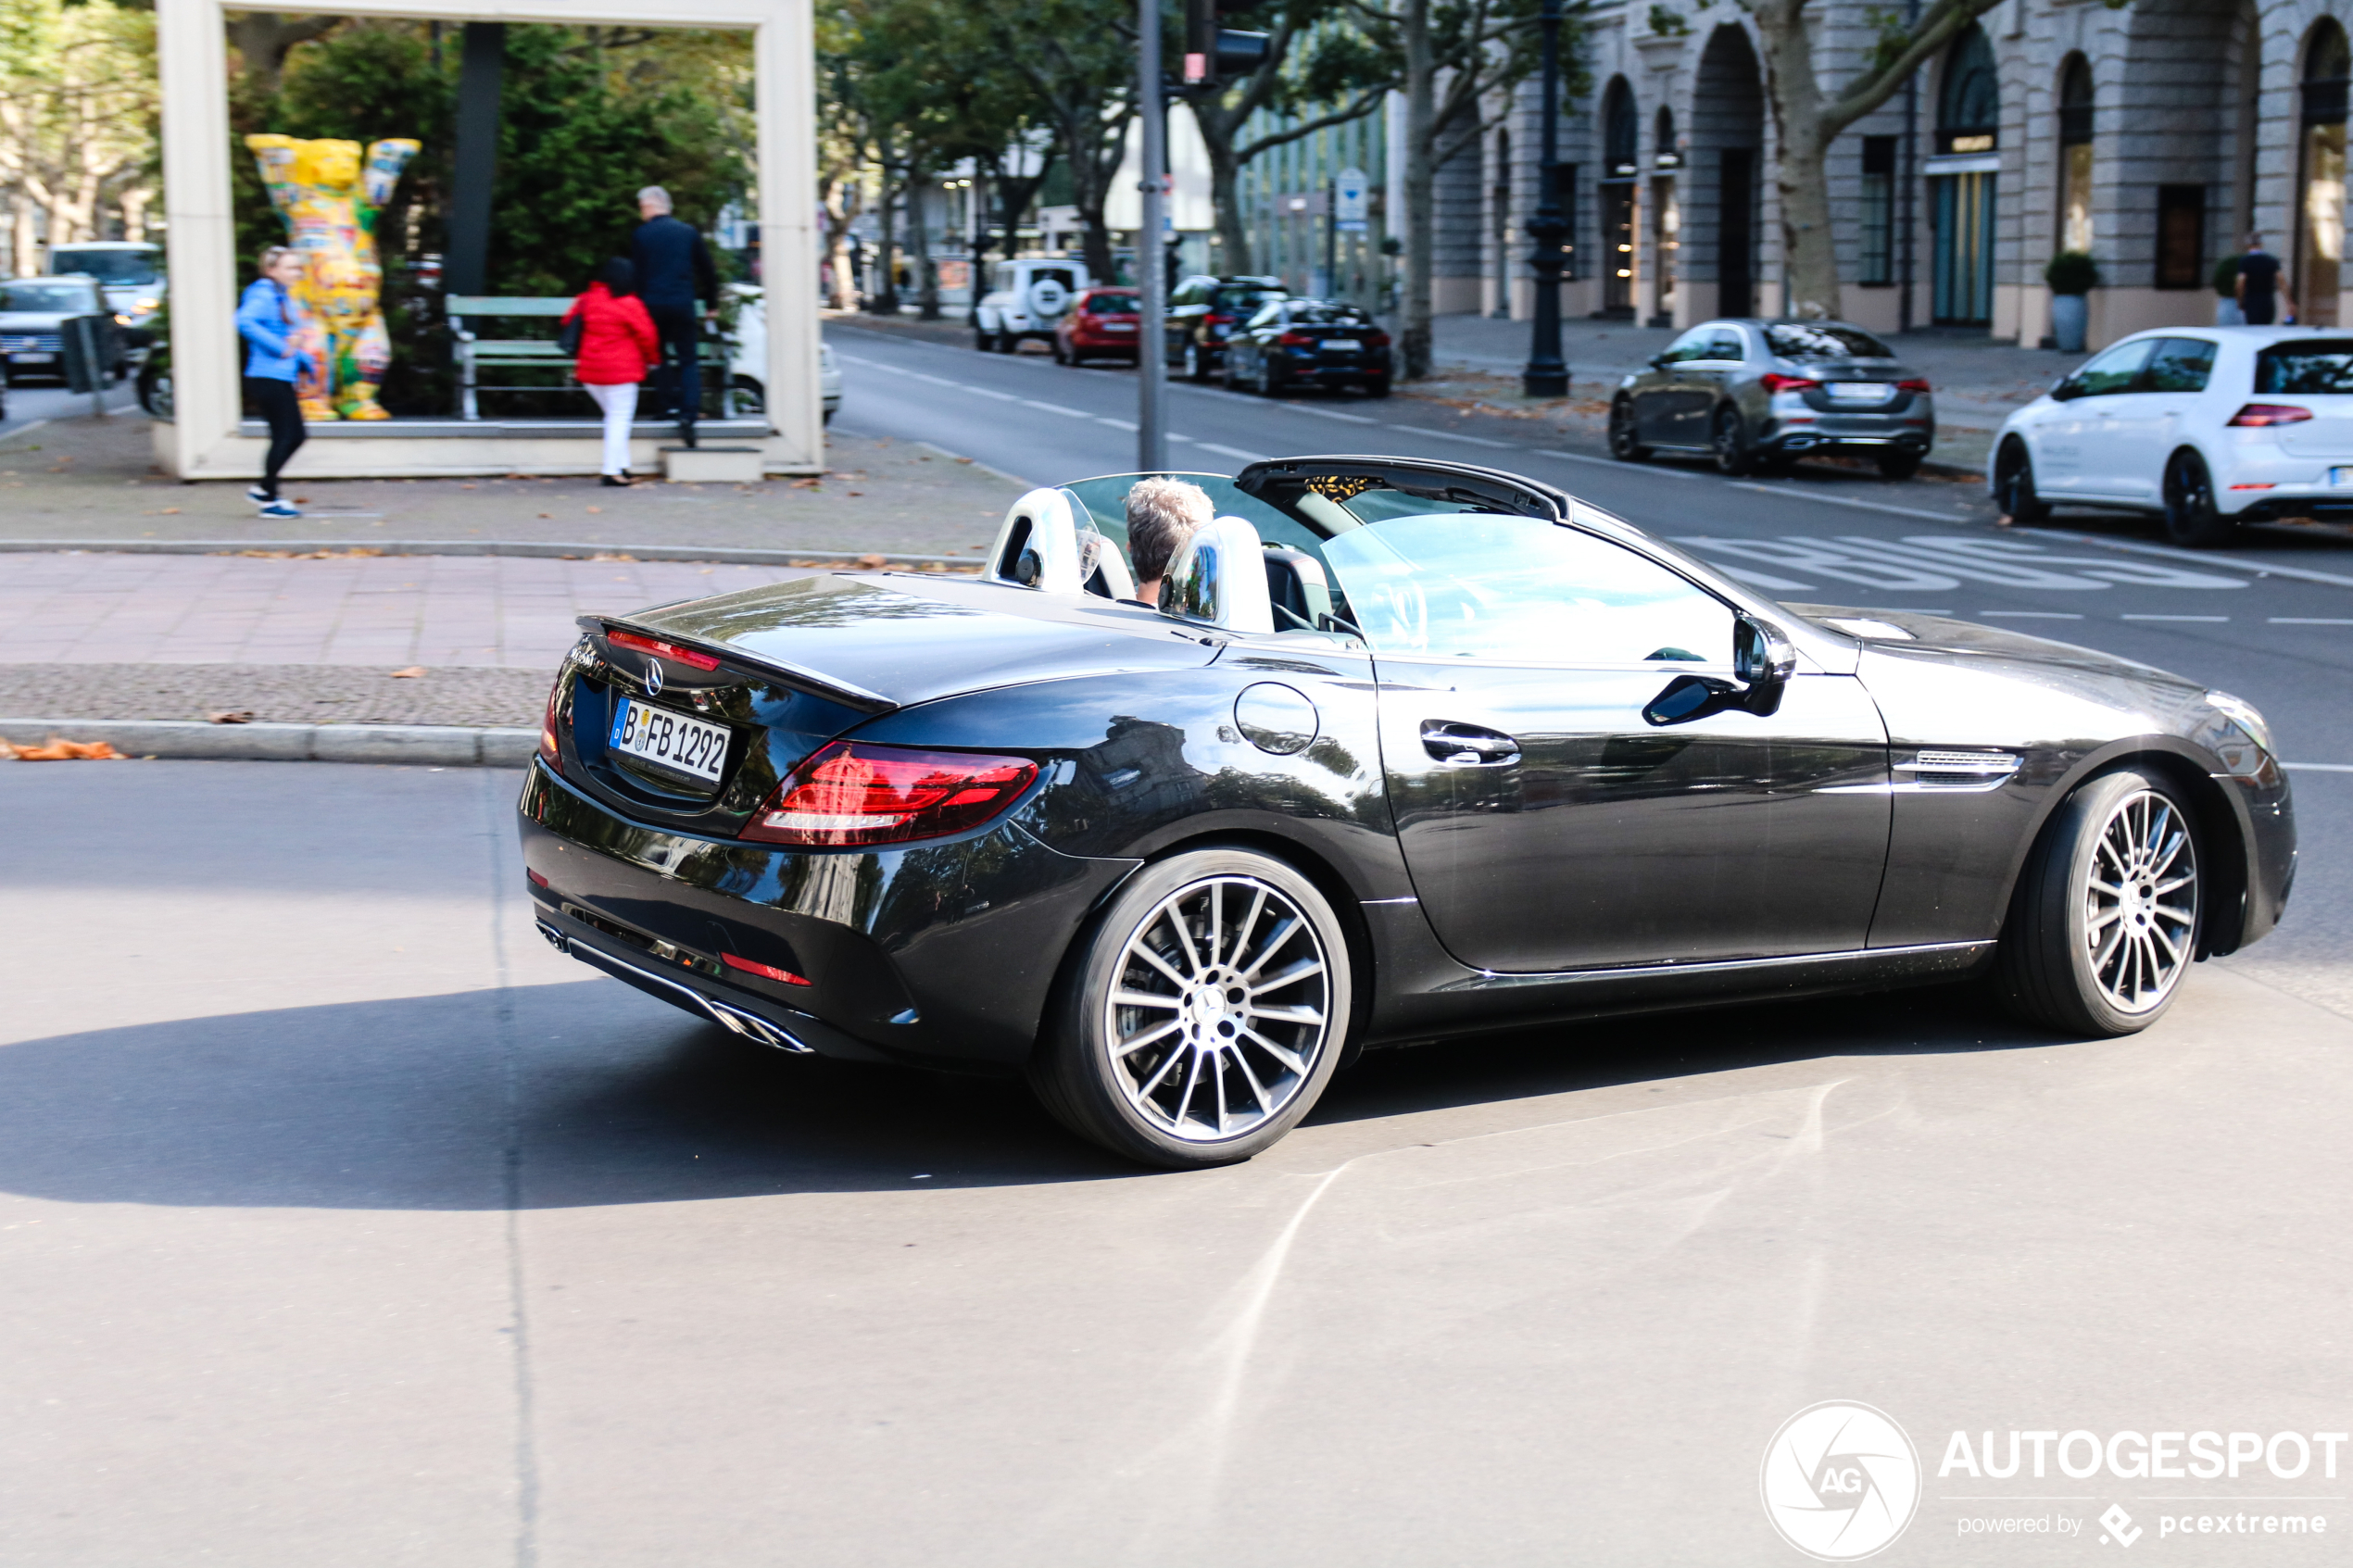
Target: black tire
{"x": 2191, "y": 516}
{"x": 1622, "y": 444}
{"x": 980, "y": 339}
{"x": 1376, "y": 387}
{"x": 1060, "y": 358}
{"x": 154, "y": 389}
{"x": 2014, "y": 487}
{"x": 750, "y": 396}
{"x": 1140, "y": 1102}
{"x": 1008, "y": 341}
{"x": 1899, "y": 465}
{"x": 1728, "y": 443}
{"x": 2050, "y": 970}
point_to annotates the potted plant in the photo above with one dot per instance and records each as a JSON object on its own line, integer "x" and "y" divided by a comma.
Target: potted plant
{"x": 2226, "y": 288}
{"x": 2071, "y": 275}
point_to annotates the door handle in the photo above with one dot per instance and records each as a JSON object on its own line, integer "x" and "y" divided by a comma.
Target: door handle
{"x": 1468, "y": 745}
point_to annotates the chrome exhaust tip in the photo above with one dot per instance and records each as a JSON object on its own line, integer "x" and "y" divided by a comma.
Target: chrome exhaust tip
{"x": 555, "y": 938}
{"x": 756, "y": 1029}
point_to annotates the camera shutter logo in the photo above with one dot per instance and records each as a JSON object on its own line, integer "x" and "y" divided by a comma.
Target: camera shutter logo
{"x": 1841, "y": 1481}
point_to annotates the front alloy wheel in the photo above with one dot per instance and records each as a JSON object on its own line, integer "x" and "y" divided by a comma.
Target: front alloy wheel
{"x": 2191, "y": 516}
{"x": 2106, "y": 917}
{"x": 1205, "y": 1016}
{"x": 2014, "y": 488}
{"x": 1622, "y": 444}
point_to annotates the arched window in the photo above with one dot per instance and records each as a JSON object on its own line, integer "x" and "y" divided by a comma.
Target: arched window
{"x": 2319, "y": 212}
{"x": 1621, "y": 131}
{"x": 2075, "y": 154}
{"x": 1968, "y": 111}
{"x": 1665, "y": 154}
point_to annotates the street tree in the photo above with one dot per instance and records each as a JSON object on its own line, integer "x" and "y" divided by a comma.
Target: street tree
{"x": 1807, "y": 118}
{"x": 1318, "y": 72}
{"x": 78, "y": 106}
{"x": 1078, "y": 59}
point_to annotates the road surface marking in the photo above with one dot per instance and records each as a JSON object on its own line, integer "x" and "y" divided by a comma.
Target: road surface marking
{"x": 1233, "y": 452}
{"x": 991, "y": 392}
{"x": 2173, "y": 618}
{"x": 1455, "y": 435}
{"x": 2236, "y": 563}
{"x": 1611, "y": 463}
{"x": 2308, "y": 621}
{"x": 2319, "y": 767}
{"x": 2032, "y": 614}
{"x": 1127, "y": 425}
{"x": 1336, "y": 414}
{"x": 1056, "y": 409}
{"x": 1788, "y": 493}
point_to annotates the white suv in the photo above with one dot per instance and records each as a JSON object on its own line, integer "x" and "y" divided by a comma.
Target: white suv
{"x": 1026, "y": 298}
{"x": 2206, "y": 427}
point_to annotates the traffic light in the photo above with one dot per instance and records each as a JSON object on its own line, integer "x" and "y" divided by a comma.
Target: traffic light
{"x": 1216, "y": 55}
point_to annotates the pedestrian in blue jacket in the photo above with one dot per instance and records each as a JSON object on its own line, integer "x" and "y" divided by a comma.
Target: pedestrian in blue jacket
{"x": 267, "y": 318}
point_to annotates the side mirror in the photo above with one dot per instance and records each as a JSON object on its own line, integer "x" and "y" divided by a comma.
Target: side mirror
{"x": 1657, "y": 361}
{"x": 2063, "y": 389}
{"x": 1764, "y": 658}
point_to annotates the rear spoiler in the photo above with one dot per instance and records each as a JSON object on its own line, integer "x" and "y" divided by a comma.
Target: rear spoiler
{"x": 810, "y": 681}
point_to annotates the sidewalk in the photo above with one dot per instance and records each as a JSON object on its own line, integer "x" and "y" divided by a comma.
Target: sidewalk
{"x": 306, "y": 622}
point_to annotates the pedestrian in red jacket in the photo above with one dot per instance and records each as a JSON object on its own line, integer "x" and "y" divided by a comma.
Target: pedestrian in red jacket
{"x": 618, "y": 344}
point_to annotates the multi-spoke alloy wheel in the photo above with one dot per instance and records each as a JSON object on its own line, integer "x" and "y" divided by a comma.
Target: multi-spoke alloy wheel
{"x": 1207, "y": 1013}
{"x": 1221, "y": 1010}
{"x": 2106, "y": 917}
{"x": 2139, "y": 902}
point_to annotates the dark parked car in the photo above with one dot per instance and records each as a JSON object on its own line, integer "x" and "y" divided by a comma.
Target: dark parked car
{"x": 1751, "y": 394}
{"x": 1308, "y": 343}
{"x": 1101, "y": 324}
{"x": 1409, "y": 749}
{"x": 1203, "y": 311}
{"x": 31, "y": 336}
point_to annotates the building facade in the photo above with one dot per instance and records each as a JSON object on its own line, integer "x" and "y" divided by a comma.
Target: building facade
{"x": 2154, "y": 137}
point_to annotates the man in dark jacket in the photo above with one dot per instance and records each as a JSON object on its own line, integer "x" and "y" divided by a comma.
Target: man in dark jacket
{"x": 674, "y": 272}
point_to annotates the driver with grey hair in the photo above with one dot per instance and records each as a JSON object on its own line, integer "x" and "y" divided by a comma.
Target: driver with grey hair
{"x": 1161, "y": 515}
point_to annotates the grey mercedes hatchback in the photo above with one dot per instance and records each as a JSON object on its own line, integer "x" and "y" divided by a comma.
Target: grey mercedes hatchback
{"x": 1750, "y": 393}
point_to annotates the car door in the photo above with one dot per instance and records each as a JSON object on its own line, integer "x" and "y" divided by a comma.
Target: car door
{"x": 1701, "y": 383}
{"x": 1654, "y": 392}
{"x": 1549, "y": 822}
{"x": 2067, "y": 442}
{"x": 2141, "y": 430}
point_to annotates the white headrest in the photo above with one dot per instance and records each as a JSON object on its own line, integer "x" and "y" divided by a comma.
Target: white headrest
{"x": 1220, "y": 577}
{"x": 1043, "y": 526}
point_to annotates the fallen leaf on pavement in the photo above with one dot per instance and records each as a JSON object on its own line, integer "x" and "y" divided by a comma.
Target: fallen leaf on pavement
{"x": 596, "y": 509}
{"x": 231, "y": 716}
{"x": 810, "y": 483}
{"x": 871, "y": 562}
{"x": 857, "y": 492}
{"x": 409, "y": 674}
{"x": 169, "y": 511}
{"x": 964, "y": 459}
{"x": 55, "y": 750}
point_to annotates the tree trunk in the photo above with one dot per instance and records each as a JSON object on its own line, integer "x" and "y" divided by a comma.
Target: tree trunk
{"x": 885, "y": 300}
{"x": 1809, "y": 245}
{"x": 919, "y": 241}
{"x": 1421, "y": 184}
{"x": 135, "y": 201}
{"x": 1225, "y": 198}
{"x": 263, "y": 39}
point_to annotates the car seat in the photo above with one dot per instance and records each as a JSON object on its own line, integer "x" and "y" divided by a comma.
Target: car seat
{"x": 1220, "y": 577}
{"x": 1042, "y": 546}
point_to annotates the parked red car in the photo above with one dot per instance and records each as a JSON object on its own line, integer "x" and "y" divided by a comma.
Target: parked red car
{"x": 1099, "y": 324}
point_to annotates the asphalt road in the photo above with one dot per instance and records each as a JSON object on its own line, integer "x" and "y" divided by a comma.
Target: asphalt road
{"x": 32, "y": 402}
{"x": 342, "y": 1221}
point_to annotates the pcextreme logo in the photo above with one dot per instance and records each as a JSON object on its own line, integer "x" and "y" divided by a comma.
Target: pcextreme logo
{"x": 1841, "y": 1481}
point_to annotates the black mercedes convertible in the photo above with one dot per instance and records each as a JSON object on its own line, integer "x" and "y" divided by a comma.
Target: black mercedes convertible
{"x": 1404, "y": 751}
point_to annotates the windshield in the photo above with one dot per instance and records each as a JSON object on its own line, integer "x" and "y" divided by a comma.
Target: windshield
{"x": 1113, "y": 305}
{"x": 1485, "y": 585}
{"x": 1105, "y": 501}
{"x": 1242, "y": 302}
{"x": 1821, "y": 340}
{"x": 66, "y": 298}
{"x": 1329, "y": 315}
{"x": 110, "y": 266}
{"x": 2313, "y": 366}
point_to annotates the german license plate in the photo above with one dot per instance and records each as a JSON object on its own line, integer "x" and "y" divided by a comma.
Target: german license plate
{"x": 2341, "y": 476}
{"x": 1119, "y": 326}
{"x": 670, "y": 740}
{"x": 1342, "y": 344}
{"x": 35, "y": 358}
{"x": 1860, "y": 391}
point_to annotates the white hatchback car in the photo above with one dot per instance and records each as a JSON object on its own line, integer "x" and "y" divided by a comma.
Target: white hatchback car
{"x": 2206, "y": 427}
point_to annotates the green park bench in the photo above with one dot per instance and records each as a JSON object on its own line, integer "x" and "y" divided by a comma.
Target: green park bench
{"x": 476, "y": 353}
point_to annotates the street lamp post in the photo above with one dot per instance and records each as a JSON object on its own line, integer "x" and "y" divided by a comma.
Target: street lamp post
{"x": 1546, "y": 376}
{"x": 1151, "y": 274}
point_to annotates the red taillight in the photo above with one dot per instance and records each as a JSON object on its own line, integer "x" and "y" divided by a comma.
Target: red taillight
{"x": 765, "y": 971}
{"x": 553, "y": 753}
{"x": 1377, "y": 340}
{"x": 1775, "y": 381}
{"x": 1915, "y": 383}
{"x": 1297, "y": 339}
{"x": 2259, "y": 414}
{"x": 666, "y": 650}
{"x": 536, "y": 880}
{"x": 853, "y": 793}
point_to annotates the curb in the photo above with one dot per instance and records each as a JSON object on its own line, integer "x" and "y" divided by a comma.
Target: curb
{"x": 441, "y": 745}
{"x": 362, "y": 549}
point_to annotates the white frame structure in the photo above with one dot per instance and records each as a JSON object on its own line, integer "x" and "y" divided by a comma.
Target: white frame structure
{"x": 203, "y": 440}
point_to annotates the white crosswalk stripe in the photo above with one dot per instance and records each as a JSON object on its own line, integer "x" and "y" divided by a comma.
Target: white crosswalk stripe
{"x": 1935, "y": 562}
